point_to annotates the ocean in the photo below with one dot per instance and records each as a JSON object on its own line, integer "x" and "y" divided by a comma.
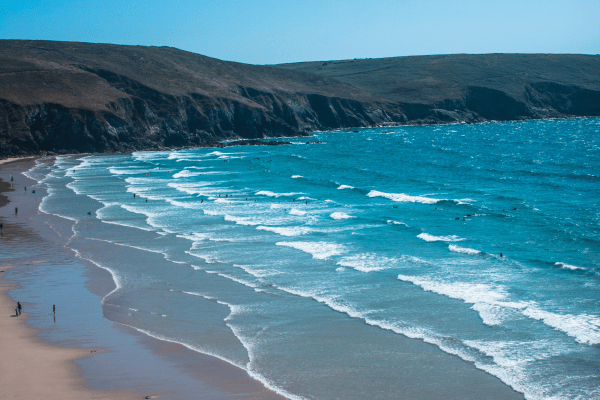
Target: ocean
{"x": 355, "y": 264}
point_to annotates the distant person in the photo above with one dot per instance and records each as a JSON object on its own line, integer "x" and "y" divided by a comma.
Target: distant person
{"x": 134, "y": 195}
{"x": 54, "y": 309}
{"x": 89, "y": 213}
{"x": 146, "y": 200}
{"x": 25, "y": 188}
{"x": 33, "y": 191}
{"x": 16, "y": 210}
{"x": 202, "y": 201}
{"x": 1, "y": 226}
{"x": 501, "y": 255}
{"x": 19, "y": 307}
{"x": 458, "y": 218}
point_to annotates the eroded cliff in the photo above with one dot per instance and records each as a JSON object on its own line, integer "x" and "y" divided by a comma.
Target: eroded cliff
{"x": 58, "y": 97}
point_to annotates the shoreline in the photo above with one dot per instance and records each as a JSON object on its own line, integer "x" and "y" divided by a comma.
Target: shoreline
{"x": 206, "y": 376}
{"x": 30, "y": 367}
{"x": 224, "y": 143}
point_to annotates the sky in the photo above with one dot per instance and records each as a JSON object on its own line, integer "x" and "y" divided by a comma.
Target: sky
{"x": 282, "y": 31}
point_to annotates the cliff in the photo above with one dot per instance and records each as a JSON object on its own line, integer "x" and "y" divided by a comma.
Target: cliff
{"x": 471, "y": 88}
{"x": 58, "y": 97}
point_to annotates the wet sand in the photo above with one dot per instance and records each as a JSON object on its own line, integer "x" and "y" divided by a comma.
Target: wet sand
{"x": 83, "y": 355}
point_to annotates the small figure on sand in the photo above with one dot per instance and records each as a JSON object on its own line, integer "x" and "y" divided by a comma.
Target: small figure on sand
{"x": 19, "y": 307}
{"x": 33, "y": 191}
{"x": 25, "y": 188}
{"x": 1, "y": 226}
{"x": 16, "y": 210}
{"x": 54, "y": 309}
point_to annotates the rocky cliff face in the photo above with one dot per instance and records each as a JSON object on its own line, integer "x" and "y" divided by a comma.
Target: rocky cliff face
{"x": 474, "y": 88}
{"x": 77, "y": 97}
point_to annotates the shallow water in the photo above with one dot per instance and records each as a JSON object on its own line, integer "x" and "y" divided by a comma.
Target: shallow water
{"x": 309, "y": 264}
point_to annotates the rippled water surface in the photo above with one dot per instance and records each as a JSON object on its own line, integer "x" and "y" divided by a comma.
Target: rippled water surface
{"x": 483, "y": 240}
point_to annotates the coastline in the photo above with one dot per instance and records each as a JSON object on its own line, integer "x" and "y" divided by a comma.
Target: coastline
{"x": 30, "y": 367}
{"x": 114, "y": 369}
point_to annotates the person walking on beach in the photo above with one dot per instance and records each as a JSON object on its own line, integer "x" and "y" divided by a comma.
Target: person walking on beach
{"x": 54, "y": 309}
{"x": 19, "y": 307}
{"x": 1, "y": 226}
{"x": 16, "y": 210}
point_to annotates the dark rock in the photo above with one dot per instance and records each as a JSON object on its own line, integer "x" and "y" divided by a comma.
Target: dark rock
{"x": 59, "y": 97}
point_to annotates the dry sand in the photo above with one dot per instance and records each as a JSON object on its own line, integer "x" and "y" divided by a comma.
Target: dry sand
{"x": 32, "y": 369}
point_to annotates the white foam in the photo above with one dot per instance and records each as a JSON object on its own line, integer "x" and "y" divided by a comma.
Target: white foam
{"x": 568, "y": 266}
{"x": 273, "y": 194}
{"x": 191, "y": 187}
{"x": 390, "y": 221}
{"x": 341, "y": 187}
{"x": 585, "y": 328}
{"x": 297, "y": 176}
{"x": 287, "y": 230}
{"x": 186, "y": 173}
{"x": 404, "y": 198}
{"x": 295, "y": 211}
{"x": 366, "y": 262}
{"x": 464, "y": 250}
{"x": 340, "y": 215}
{"x": 319, "y": 250}
{"x": 490, "y": 302}
{"x": 240, "y": 220}
{"x": 430, "y": 238}
{"x": 194, "y": 236}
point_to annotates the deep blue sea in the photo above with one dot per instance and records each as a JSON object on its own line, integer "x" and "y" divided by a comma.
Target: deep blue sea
{"x": 305, "y": 264}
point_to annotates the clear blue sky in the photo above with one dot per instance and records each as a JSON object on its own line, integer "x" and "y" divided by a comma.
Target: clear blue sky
{"x": 277, "y": 31}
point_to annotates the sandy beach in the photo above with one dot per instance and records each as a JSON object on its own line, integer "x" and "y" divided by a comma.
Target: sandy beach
{"x": 30, "y": 368}
{"x": 84, "y": 355}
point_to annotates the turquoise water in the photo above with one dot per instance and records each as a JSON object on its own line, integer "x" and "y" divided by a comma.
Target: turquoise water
{"x": 270, "y": 251}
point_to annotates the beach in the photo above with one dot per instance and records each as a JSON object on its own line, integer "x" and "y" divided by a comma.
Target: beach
{"x": 83, "y": 355}
{"x": 440, "y": 262}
